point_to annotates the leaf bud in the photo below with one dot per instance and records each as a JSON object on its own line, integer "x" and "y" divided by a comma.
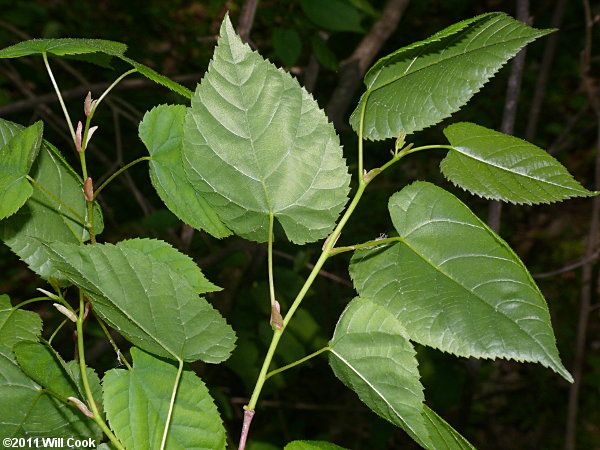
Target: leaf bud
{"x": 81, "y": 406}
{"x": 48, "y": 293}
{"x": 87, "y": 104}
{"x": 78, "y": 138}
{"x": 65, "y": 311}
{"x": 89, "y": 135}
{"x": 88, "y": 189}
{"x": 276, "y": 319}
{"x": 400, "y": 141}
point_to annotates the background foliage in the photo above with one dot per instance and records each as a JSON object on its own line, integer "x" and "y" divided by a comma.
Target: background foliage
{"x": 498, "y": 404}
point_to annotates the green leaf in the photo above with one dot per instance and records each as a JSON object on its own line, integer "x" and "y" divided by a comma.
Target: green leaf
{"x": 42, "y": 217}
{"x": 195, "y": 421}
{"x": 16, "y": 158}
{"x": 16, "y": 325}
{"x": 153, "y": 75}
{"x": 61, "y": 47}
{"x": 43, "y": 365}
{"x": 369, "y": 353}
{"x": 177, "y": 261}
{"x": 34, "y": 413}
{"x": 442, "y": 435}
{"x": 312, "y": 445}
{"x": 333, "y": 15}
{"x": 323, "y": 54}
{"x": 162, "y": 133}
{"x": 501, "y": 167}
{"x": 257, "y": 144}
{"x": 425, "y": 82}
{"x": 287, "y": 45}
{"x": 93, "y": 49}
{"x": 146, "y": 300}
{"x": 454, "y": 284}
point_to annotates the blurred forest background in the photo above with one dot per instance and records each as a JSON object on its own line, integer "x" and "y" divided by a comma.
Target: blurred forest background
{"x": 327, "y": 45}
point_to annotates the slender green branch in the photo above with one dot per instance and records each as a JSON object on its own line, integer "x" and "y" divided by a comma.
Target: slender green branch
{"x": 120, "y": 355}
{"x": 90, "y": 210}
{"x": 57, "y": 200}
{"x": 84, "y": 378}
{"x": 110, "y": 88}
{"x": 60, "y": 99}
{"x": 119, "y": 172}
{"x": 31, "y": 300}
{"x": 409, "y": 150}
{"x": 270, "y": 260}
{"x": 171, "y": 405}
{"x": 373, "y": 243}
{"x": 62, "y": 324}
{"x": 361, "y": 174}
{"x": 263, "y": 371}
{"x": 295, "y": 363}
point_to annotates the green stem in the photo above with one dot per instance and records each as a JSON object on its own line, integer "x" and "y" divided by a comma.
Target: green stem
{"x": 373, "y": 243}
{"x": 112, "y": 341}
{"x": 361, "y": 174}
{"x": 86, "y": 385}
{"x": 62, "y": 324}
{"x": 295, "y": 363}
{"x": 119, "y": 172}
{"x": 408, "y": 151}
{"x": 171, "y": 405}
{"x": 60, "y": 99}
{"x": 270, "y": 260}
{"x": 31, "y": 300}
{"x": 57, "y": 200}
{"x": 110, "y": 88}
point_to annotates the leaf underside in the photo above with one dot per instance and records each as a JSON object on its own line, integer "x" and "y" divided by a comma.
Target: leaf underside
{"x": 161, "y": 131}
{"x": 146, "y": 300}
{"x": 425, "y": 82}
{"x": 41, "y": 218}
{"x": 16, "y": 157}
{"x": 370, "y": 354}
{"x": 257, "y": 144}
{"x": 454, "y": 284}
{"x": 180, "y": 262}
{"x": 94, "y": 51}
{"x": 501, "y": 167}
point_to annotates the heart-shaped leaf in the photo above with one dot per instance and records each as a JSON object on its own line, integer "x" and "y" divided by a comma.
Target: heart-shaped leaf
{"x": 16, "y": 158}
{"x": 257, "y": 145}
{"x": 454, "y": 284}
{"x": 42, "y": 217}
{"x": 425, "y": 82}
{"x": 146, "y": 300}
{"x": 195, "y": 421}
{"x": 162, "y": 133}
{"x": 501, "y": 167}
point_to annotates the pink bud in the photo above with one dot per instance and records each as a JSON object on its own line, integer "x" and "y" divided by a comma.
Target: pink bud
{"x": 78, "y": 136}
{"x": 88, "y": 189}
{"x": 87, "y": 104}
{"x": 81, "y": 406}
{"x": 276, "y": 319}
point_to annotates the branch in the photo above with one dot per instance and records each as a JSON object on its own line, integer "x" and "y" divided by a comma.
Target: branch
{"x": 247, "y": 19}
{"x": 513, "y": 91}
{"x": 587, "y": 276}
{"x": 542, "y": 80}
{"x": 353, "y": 68}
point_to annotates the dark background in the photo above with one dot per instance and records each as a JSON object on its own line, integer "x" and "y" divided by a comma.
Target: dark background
{"x": 496, "y": 404}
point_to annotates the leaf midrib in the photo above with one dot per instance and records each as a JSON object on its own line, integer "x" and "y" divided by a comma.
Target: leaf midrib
{"x": 461, "y": 151}
{"x": 408, "y": 74}
{"x": 502, "y": 313}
